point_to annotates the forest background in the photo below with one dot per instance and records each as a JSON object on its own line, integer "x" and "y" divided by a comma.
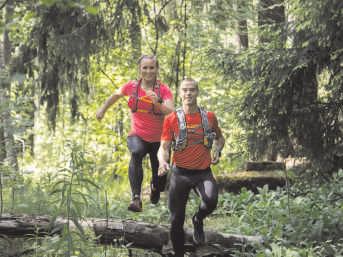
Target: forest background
{"x": 270, "y": 69}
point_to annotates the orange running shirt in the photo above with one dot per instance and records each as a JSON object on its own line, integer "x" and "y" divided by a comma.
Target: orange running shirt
{"x": 144, "y": 123}
{"x": 195, "y": 156}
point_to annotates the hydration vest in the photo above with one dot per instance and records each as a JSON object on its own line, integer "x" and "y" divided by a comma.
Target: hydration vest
{"x": 180, "y": 141}
{"x": 134, "y": 98}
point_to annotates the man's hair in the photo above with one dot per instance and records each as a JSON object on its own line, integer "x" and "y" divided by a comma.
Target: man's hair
{"x": 145, "y": 56}
{"x": 195, "y": 83}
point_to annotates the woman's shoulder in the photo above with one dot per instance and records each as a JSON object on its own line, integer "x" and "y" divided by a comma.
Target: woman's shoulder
{"x": 128, "y": 87}
{"x": 131, "y": 83}
{"x": 163, "y": 85}
{"x": 165, "y": 90}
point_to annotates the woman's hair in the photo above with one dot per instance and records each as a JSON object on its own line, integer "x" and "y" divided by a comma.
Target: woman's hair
{"x": 152, "y": 57}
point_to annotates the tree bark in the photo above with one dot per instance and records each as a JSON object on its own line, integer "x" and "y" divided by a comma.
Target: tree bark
{"x": 271, "y": 20}
{"x": 5, "y": 86}
{"x": 271, "y": 14}
{"x": 242, "y": 24}
{"x": 2, "y": 143}
{"x": 136, "y": 234}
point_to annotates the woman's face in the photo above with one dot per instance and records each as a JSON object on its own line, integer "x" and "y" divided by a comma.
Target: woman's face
{"x": 148, "y": 69}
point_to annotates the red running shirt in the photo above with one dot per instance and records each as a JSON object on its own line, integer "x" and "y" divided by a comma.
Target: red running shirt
{"x": 195, "y": 156}
{"x": 144, "y": 123}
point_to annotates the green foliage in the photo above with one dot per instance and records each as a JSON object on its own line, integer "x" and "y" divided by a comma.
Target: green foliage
{"x": 285, "y": 91}
{"x": 301, "y": 224}
{"x": 282, "y": 101}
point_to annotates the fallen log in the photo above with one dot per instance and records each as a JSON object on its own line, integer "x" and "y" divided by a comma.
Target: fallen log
{"x": 251, "y": 180}
{"x": 265, "y": 166}
{"x": 125, "y": 232}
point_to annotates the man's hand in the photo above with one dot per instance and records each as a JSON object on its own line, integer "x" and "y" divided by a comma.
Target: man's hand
{"x": 163, "y": 168}
{"x": 163, "y": 157}
{"x": 215, "y": 156}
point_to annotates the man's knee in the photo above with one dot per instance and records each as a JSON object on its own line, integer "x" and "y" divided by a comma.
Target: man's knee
{"x": 212, "y": 204}
{"x": 209, "y": 204}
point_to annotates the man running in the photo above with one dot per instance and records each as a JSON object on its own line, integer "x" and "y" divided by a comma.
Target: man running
{"x": 193, "y": 133}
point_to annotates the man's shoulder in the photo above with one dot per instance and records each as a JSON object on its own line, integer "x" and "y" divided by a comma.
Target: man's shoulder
{"x": 171, "y": 117}
{"x": 210, "y": 114}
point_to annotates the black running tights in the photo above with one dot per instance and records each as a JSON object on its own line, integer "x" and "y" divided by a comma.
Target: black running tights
{"x": 139, "y": 148}
{"x": 181, "y": 183}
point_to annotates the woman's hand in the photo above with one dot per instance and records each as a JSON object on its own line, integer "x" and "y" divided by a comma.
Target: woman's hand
{"x": 100, "y": 114}
{"x": 153, "y": 96}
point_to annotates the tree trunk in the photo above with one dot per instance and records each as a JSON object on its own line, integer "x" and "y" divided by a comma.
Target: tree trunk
{"x": 307, "y": 124}
{"x": 135, "y": 32}
{"x": 5, "y": 87}
{"x": 136, "y": 234}
{"x": 242, "y": 24}
{"x": 271, "y": 15}
{"x": 2, "y": 143}
{"x": 271, "y": 20}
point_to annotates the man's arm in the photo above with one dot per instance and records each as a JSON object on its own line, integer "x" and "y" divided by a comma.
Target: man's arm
{"x": 218, "y": 145}
{"x": 218, "y": 142}
{"x": 109, "y": 102}
{"x": 163, "y": 157}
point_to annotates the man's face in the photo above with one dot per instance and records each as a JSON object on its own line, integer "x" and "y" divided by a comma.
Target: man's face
{"x": 188, "y": 93}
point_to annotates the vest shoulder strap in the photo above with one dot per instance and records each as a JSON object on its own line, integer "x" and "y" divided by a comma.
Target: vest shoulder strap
{"x": 209, "y": 134}
{"x": 181, "y": 139}
{"x": 135, "y": 94}
{"x": 204, "y": 120}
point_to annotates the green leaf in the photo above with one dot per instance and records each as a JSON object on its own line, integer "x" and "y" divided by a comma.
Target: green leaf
{"x": 86, "y": 180}
{"x": 48, "y": 2}
{"x": 78, "y": 225}
{"x": 92, "y": 10}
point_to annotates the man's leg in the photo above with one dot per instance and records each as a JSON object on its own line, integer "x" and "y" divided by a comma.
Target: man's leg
{"x": 138, "y": 149}
{"x": 208, "y": 191}
{"x": 178, "y": 194}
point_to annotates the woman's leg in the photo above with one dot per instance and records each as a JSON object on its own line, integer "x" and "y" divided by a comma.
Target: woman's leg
{"x": 154, "y": 185}
{"x": 154, "y": 163}
{"x": 138, "y": 149}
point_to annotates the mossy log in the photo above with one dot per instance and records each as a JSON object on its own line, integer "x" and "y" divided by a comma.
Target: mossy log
{"x": 126, "y": 232}
{"x": 265, "y": 166}
{"x": 251, "y": 180}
